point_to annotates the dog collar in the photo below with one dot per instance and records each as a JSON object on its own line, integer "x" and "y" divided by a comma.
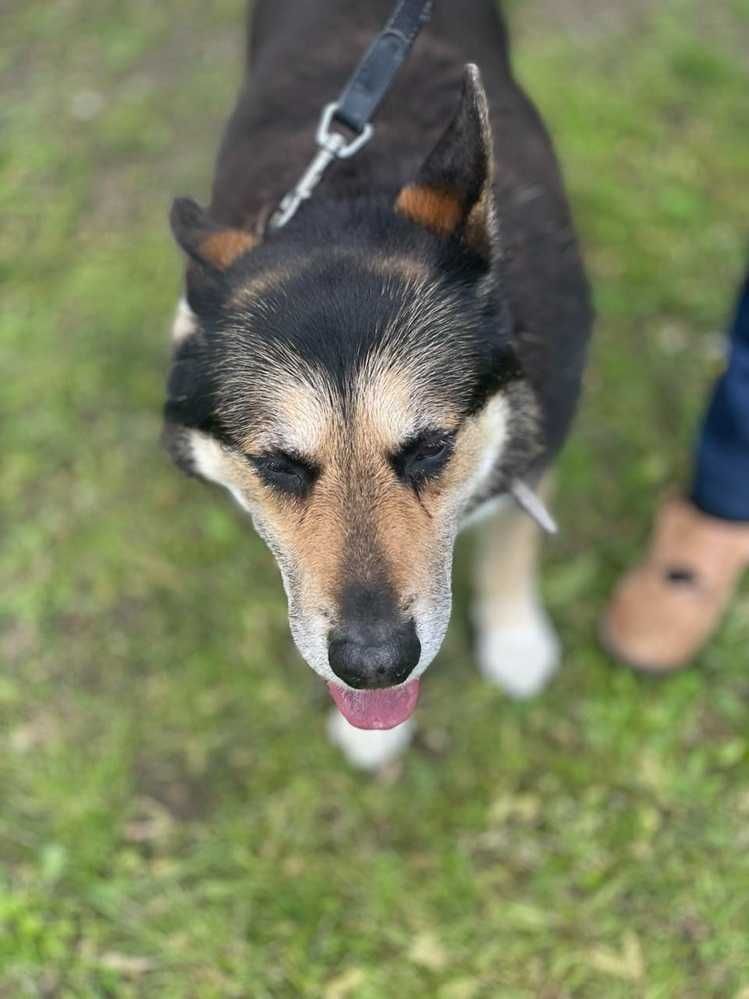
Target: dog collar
{"x": 533, "y": 505}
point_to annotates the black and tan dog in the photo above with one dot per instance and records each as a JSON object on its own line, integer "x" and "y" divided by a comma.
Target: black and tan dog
{"x": 368, "y": 377}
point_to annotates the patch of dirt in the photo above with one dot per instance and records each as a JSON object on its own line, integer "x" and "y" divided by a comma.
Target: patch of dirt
{"x": 172, "y": 791}
{"x": 17, "y": 641}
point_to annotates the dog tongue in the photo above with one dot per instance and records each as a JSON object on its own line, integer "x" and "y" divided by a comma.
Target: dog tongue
{"x": 376, "y": 708}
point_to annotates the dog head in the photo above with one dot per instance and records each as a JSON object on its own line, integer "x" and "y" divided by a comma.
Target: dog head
{"x": 351, "y": 380}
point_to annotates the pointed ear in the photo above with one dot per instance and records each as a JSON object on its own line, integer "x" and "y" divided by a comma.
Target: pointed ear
{"x": 452, "y": 194}
{"x": 209, "y": 244}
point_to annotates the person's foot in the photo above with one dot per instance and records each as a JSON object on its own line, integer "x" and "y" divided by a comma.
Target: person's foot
{"x": 664, "y": 610}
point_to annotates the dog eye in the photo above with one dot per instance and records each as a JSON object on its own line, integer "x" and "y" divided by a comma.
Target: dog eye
{"x": 284, "y": 472}
{"x": 430, "y": 450}
{"x": 423, "y": 458}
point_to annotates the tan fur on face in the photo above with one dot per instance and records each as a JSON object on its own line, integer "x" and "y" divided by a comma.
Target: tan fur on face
{"x": 407, "y": 268}
{"x": 301, "y": 413}
{"x": 360, "y": 523}
{"x": 267, "y": 282}
{"x": 254, "y": 290}
{"x": 391, "y": 406}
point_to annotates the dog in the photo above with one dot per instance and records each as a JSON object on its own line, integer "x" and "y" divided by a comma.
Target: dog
{"x": 377, "y": 373}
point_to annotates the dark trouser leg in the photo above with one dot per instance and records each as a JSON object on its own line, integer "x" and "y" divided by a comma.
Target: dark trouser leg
{"x": 721, "y": 479}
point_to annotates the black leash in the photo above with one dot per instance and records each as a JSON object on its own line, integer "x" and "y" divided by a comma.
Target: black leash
{"x": 359, "y": 101}
{"x": 373, "y": 76}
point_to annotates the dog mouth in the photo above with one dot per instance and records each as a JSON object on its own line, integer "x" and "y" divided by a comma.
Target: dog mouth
{"x": 376, "y": 709}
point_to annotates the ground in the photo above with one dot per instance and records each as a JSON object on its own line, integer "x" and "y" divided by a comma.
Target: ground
{"x": 174, "y": 822}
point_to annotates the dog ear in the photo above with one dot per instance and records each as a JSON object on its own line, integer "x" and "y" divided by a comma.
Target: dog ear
{"x": 452, "y": 193}
{"x": 212, "y": 246}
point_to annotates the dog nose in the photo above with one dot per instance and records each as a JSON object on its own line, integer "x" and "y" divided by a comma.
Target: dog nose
{"x": 370, "y": 655}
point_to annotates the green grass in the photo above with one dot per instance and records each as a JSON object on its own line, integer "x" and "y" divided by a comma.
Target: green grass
{"x": 173, "y": 820}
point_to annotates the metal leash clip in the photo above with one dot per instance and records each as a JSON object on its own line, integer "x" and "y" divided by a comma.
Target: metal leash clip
{"x": 331, "y": 146}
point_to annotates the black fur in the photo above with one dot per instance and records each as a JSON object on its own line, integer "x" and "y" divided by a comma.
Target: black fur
{"x": 527, "y": 323}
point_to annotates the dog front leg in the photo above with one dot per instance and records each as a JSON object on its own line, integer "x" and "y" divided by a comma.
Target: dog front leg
{"x": 517, "y": 646}
{"x": 368, "y": 750}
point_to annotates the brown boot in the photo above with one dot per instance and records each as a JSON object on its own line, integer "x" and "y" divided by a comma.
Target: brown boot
{"x": 664, "y": 610}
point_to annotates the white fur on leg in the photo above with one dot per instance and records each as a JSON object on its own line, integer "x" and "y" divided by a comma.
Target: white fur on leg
{"x": 519, "y": 653}
{"x": 517, "y": 646}
{"x": 368, "y": 750}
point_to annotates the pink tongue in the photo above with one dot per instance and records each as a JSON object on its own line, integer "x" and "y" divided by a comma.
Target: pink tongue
{"x": 376, "y": 708}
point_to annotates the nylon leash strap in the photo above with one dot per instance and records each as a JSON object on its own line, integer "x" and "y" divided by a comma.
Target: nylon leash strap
{"x": 358, "y": 102}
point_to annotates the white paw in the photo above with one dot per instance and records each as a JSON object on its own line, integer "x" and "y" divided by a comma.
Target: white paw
{"x": 368, "y": 750}
{"x": 520, "y": 658}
